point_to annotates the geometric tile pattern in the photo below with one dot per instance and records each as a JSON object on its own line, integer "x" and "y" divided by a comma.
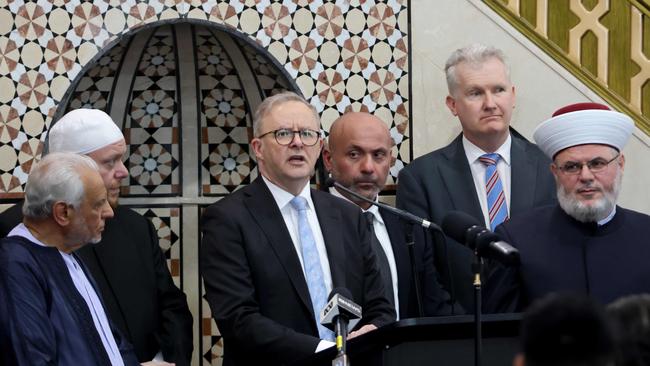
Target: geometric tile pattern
{"x": 167, "y": 222}
{"x": 343, "y": 55}
{"x": 226, "y": 163}
{"x": 151, "y": 123}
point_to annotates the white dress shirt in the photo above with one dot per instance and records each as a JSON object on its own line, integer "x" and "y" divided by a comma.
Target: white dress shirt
{"x": 290, "y": 216}
{"x": 473, "y": 152}
{"x": 381, "y": 232}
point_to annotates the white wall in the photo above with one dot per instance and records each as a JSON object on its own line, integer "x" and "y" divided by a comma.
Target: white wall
{"x": 438, "y": 27}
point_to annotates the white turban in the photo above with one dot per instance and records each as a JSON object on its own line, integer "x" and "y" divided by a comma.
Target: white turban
{"x": 580, "y": 124}
{"x": 83, "y": 131}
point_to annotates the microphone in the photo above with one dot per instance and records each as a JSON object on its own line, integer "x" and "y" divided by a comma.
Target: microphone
{"x": 467, "y": 230}
{"x": 339, "y": 315}
{"x": 330, "y": 182}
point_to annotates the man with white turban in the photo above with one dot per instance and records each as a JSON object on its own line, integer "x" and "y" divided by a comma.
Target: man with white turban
{"x": 585, "y": 243}
{"x": 128, "y": 264}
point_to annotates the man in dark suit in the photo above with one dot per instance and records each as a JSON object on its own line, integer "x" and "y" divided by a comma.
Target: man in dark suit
{"x": 487, "y": 158}
{"x": 272, "y": 251}
{"x": 127, "y": 265}
{"x": 358, "y": 154}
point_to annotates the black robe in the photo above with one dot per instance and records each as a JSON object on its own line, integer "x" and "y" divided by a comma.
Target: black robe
{"x": 561, "y": 254}
{"x": 44, "y": 319}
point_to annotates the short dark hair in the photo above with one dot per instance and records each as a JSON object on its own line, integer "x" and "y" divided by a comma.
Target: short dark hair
{"x": 631, "y": 318}
{"x": 567, "y": 329}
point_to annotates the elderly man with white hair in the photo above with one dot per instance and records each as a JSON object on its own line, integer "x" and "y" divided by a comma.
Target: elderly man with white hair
{"x": 128, "y": 264}
{"x": 585, "y": 243}
{"x": 52, "y": 313}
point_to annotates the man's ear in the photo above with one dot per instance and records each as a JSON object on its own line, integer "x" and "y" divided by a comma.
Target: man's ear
{"x": 451, "y": 104}
{"x": 62, "y": 213}
{"x": 327, "y": 158}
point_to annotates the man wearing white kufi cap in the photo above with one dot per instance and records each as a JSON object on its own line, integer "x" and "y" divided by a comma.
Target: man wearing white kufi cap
{"x": 585, "y": 243}
{"x": 128, "y": 264}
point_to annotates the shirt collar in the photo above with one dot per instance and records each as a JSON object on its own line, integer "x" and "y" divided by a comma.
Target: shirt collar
{"x": 473, "y": 152}
{"x": 608, "y": 218}
{"x": 282, "y": 197}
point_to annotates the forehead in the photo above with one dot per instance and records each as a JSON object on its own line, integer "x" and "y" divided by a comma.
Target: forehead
{"x": 290, "y": 114}
{"x": 93, "y": 184}
{"x": 490, "y": 70}
{"x": 109, "y": 151}
{"x": 364, "y": 134}
{"x": 585, "y": 152}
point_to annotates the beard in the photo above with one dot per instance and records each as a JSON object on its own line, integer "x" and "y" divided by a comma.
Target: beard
{"x": 594, "y": 212}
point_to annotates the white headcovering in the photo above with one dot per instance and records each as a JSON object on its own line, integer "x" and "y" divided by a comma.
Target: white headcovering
{"x": 83, "y": 131}
{"x": 580, "y": 124}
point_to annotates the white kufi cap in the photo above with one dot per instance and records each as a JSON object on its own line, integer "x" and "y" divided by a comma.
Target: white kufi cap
{"x": 580, "y": 124}
{"x": 83, "y": 131}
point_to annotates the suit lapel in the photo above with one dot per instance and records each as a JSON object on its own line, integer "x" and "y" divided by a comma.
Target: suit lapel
{"x": 523, "y": 177}
{"x": 330, "y": 222}
{"x": 261, "y": 205}
{"x": 400, "y": 251}
{"x": 458, "y": 181}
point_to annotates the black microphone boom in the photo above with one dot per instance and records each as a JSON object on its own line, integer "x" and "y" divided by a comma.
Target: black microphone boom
{"x": 466, "y": 230}
{"x": 330, "y": 182}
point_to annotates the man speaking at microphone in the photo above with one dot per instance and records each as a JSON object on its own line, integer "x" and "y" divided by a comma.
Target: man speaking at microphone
{"x": 272, "y": 251}
{"x": 358, "y": 155}
{"x": 585, "y": 243}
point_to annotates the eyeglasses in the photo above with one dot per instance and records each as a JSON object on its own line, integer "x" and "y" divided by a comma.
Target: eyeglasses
{"x": 284, "y": 136}
{"x": 595, "y": 166}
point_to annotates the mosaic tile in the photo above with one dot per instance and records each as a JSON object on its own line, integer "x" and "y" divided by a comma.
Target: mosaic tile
{"x": 167, "y": 222}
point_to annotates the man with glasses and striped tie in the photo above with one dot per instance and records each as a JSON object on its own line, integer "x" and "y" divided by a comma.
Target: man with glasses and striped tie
{"x": 273, "y": 251}
{"x": 585, "y": 243}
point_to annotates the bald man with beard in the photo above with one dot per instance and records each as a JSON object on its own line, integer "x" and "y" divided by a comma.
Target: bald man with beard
{"x": 359, "y": 156}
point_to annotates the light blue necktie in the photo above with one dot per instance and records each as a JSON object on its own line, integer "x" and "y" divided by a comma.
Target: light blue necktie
{"x": 313, "y": 269}
{"x": 496, "y": 198}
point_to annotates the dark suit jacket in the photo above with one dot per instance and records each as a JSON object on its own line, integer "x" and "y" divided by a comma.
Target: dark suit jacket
{"x": 441, "y": 181}
{"x": 138, "y": 292}
{"x": 254, "y": 282}
{"x": 435, "y": 300}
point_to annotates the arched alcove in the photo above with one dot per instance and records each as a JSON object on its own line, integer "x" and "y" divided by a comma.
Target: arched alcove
{"x": 183, "y": 93}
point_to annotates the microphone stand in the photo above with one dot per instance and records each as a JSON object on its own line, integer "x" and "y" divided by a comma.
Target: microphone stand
{"x": 410, "y": 244}
{"x": 477, "y": 268}
{"x": 341, "y": 358}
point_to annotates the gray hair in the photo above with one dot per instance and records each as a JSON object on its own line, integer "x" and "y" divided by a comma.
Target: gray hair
{"x": 55, "y": 178}
{"x": 474, "y": 54}
{"x": 269, "y": 103}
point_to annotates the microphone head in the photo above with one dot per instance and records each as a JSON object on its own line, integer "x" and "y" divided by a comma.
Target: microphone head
{"x": 329, "y": 182}
{"x": 461, "y": 227}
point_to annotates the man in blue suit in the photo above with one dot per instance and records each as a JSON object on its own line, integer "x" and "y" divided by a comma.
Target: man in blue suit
{"x": 359, "y": 155}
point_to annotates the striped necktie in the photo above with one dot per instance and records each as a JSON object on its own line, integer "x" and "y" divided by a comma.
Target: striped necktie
{"x": 496, "y": 198}
{"x": 313, "y": 270}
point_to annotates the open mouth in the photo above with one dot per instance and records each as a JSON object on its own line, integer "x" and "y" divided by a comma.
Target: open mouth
{"x": 296, "y": 159}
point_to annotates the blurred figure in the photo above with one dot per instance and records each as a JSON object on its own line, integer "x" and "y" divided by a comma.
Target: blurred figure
{"x": 358, "y": 154}
{"x": 565, "y": 330}
{"x": 631, "y": 319}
